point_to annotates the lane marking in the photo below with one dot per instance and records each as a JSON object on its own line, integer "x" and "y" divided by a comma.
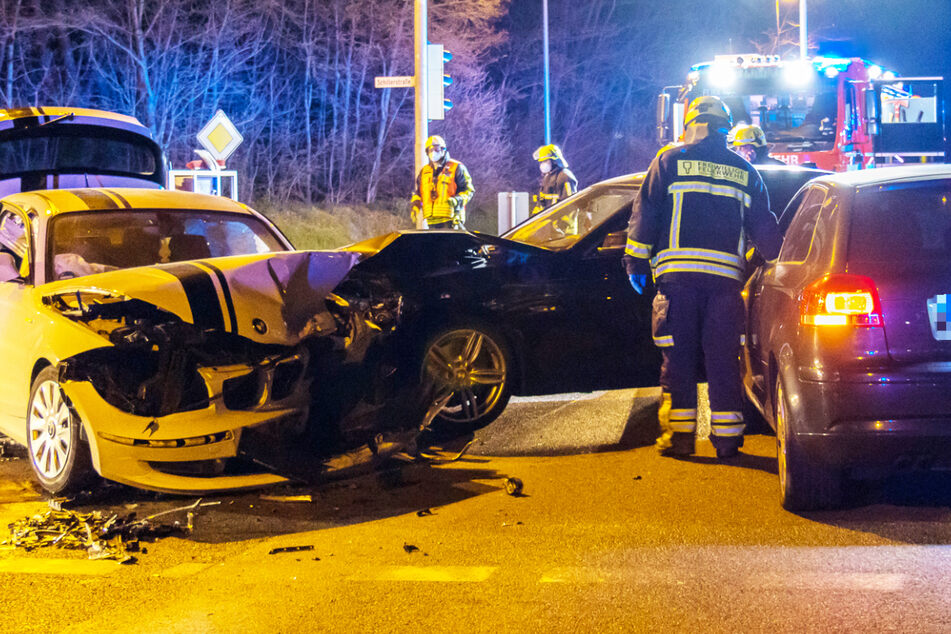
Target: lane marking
{"x": 58, "y": 566}
{"x": 806, "y": 580}
{"x": 442, "y": 574}
{"x": 182, "y": 570}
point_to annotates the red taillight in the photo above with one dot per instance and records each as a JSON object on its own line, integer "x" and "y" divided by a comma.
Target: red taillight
{"x": 841, "y": 300}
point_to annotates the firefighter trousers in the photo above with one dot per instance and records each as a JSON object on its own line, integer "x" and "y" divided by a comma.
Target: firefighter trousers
{"x": 704, "y": 324}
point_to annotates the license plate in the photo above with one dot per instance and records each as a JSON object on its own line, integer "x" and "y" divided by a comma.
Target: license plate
{"x": 938, "y": 316}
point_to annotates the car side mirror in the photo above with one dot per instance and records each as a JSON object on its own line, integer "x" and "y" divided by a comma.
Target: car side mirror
{"x": 8, "y": 268}
{"x": 613, "y": 242}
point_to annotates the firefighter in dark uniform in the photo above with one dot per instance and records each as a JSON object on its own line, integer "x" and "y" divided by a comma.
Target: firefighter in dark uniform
{"x": 689, "y": 224}
{"x": 749, "y": 141}
{"x": 443, "y": 187}
{"x": 558, "y": 182}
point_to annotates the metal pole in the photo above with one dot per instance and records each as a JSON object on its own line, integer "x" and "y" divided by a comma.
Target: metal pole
{"x": 776, "y": 50}
{"x": 422, "y": 116}
{"x": 803, "y": 43}
{"x": 547, "y": 79}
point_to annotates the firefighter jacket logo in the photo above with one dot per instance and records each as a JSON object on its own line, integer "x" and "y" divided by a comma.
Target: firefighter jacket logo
{"x": 716, "y": 171}
{"x": 938, "y": 316}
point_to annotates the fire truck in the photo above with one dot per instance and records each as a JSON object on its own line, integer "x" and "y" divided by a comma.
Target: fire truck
{"x": 831, "y": 112}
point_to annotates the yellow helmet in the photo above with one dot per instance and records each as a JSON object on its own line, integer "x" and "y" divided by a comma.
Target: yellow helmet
{"x": 710, "y": 108}
{"x": 747, "y": 134}
{"x": 550, "y": 151}
{"x": 434, "y": 141}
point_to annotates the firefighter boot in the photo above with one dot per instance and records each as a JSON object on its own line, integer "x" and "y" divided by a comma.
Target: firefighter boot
{"x": 727, "y": 448}
{"x": 676, "y": 443}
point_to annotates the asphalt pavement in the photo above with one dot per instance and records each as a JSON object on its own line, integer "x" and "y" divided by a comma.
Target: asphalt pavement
{"x": 607, "y": 536}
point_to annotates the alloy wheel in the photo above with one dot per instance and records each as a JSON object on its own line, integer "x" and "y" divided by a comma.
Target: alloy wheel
{"x": 470, "y": 367}
{"x": 50, "y": 440}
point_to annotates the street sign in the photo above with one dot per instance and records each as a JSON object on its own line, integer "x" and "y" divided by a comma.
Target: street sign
{"x": 404, "y": 81}
{"x": 220, "y": 137}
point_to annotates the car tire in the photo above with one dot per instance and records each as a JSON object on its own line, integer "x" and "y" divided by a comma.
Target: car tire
{"x": 474, "y": 364}
{"x": 805, "y": 483}
{"x": 59, "y": 456}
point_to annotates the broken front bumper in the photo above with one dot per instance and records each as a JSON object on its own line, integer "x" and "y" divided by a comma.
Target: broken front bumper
{"x": 193, "y": 451}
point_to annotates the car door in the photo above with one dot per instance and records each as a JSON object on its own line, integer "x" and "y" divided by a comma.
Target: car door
{"x": 773, "y": 290}
{"x": 17, "y": 323}
{"x": 612, "y": 322}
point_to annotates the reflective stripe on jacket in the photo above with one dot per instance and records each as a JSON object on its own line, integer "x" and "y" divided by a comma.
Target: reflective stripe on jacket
{"x": 692, "y": 216}
{"x": 452, "y": 182}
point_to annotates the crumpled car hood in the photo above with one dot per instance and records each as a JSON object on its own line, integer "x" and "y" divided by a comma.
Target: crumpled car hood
{"x": 275, "y": 298}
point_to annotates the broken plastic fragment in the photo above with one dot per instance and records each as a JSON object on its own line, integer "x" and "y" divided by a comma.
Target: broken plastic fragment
{"x": 288, "y": 498}
{"x": 289, "y": 549}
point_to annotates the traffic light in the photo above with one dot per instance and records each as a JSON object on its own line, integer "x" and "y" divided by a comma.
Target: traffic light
{"x": 437, "y": 81}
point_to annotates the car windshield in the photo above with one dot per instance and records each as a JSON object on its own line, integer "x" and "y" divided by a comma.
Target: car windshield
{"x": 83, "y": 243}
{"x": 787, "y": 115}
{"x": 901, "y": 222}
{"x": 564, "y": 224}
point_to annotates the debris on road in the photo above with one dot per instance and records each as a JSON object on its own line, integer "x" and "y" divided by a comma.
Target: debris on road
{"x": 637, "y": 477}
{"x": 290, "y": 549}
{"x": 288, "y": 498}
{"x": 513, "y": 486}
{"x": 410, "y": 548}
{"x": 102, "y": 537}
{"x": 424, "y": 512}
{"x": 436, "y": 461}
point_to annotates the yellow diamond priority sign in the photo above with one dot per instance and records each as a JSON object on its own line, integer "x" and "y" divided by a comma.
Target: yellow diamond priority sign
{"x": 220, "y": 137}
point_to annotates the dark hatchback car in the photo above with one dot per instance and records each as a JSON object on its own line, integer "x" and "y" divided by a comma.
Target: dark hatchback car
{"x": 545, "y": 308}
{"x": 848, "y": 347}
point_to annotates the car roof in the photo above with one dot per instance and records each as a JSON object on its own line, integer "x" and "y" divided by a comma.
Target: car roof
{"x": 882, "y": 175}
{"x": 627, "y": 179}
{"x": 51, "y": 202}
{"x": 14, "y": 118}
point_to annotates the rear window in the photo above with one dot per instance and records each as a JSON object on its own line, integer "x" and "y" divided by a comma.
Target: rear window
{"x": 903, "y": 221}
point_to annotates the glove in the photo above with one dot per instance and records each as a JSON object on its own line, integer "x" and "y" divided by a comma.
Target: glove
{"x": 638, "y": 282}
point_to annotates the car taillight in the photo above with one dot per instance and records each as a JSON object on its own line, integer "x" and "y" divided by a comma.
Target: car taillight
{"x": 841, "y": 300}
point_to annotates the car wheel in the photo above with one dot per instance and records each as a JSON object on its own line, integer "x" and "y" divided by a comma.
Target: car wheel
{"x": 470, "y": 366}
{"x": 805, "y": 484}
{"x": 58, "y": 455}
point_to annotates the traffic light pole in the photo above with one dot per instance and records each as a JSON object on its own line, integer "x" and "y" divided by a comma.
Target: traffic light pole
{"x": 422, "y": 117}
{"x": 547, "y": 79}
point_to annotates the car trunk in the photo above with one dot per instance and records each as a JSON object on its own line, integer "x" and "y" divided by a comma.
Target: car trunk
{"x": 900, "y": 237}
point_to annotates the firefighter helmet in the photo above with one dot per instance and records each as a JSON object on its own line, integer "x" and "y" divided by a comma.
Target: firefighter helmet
{"x": 747, "y": 134}
{"x": 669, "y": 146}
{"x": 708, "y": 109}
{"x": 435, "y": 141}
{"x": 550, "y": 152}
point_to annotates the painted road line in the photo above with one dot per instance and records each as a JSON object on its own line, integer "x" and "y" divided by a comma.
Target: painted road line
{"x": 443, "y": 574}
{"x": 874, "y": 581}
{"x": 58, "y": 566}
{"x": 805, "y": 580}
{"x": 182, "y": 570}
{"x": 573, "y": 575}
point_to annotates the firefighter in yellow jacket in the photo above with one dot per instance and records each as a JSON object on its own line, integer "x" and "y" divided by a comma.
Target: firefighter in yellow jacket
{"x": 443, "y": 187}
